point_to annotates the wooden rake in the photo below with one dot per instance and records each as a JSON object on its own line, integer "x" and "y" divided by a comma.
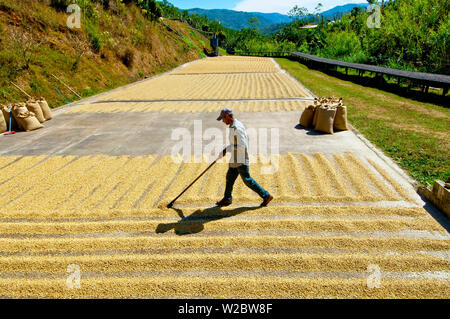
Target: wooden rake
{"x": 170, "y": 205}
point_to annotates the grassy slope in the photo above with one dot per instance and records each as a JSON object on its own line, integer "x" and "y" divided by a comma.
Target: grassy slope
{"x": 414, "y": 134}
{"x": 153, "y": 49}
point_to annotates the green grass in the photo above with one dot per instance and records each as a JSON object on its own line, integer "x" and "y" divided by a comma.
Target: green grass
{"x": 193, "y": 45}
{"x": 414, "y": 134}
{"x": 222, "y": 51}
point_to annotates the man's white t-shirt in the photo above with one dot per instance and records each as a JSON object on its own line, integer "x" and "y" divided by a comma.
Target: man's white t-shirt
{"x": 238, "y": 144}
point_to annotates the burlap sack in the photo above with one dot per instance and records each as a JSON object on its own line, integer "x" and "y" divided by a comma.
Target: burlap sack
{"x": 34, "y": 107}
{"x": 45, "y": 109}
{"x": 307, "y": 116}
{"x": 19, "y": 108}
{"x": 6, "y": 113}
{"x": 29, "y": 121}
{"x": 335, "y": 100}
{"x": 340, "y": 121}
{"x": 316, "y": 114}
{"x": 325, "y": 119}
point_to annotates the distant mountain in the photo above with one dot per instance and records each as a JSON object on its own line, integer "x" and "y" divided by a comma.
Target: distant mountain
{"x": 269, "y": 22}
{"x": 271, "y": 29}
{"x": 237, "y": 20}
{"x": 338, "y": 11}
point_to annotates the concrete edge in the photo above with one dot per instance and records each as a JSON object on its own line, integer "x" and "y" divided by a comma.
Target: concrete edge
{"x": 389, "y": 161}
{"x": 430, "y": 204}
{"x": 293, "y": 78}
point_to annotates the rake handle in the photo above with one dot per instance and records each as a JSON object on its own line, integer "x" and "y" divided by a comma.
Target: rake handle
{"x": 210, "y": 165}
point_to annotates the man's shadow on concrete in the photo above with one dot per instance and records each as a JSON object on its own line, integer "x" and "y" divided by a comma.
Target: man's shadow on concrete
{"x": 195, "y": 223}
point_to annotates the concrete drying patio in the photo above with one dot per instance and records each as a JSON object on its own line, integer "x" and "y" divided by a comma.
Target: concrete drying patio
{"x": 90, "y": 189}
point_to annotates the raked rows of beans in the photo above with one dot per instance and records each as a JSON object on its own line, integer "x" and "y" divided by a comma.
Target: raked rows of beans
{"x": 129, "y": 182}
{"x": 97, "y": 226}
{"x": 190, "y": 107}
{"x": 107, "y": 215}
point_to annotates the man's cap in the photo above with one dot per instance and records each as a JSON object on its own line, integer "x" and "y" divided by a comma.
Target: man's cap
{"x": 224, "y": 112}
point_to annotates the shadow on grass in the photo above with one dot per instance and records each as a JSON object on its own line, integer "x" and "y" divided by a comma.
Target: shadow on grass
{"x": 195, "y": 222}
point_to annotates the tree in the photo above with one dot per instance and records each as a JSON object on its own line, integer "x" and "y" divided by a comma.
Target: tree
{"x": 254, "y": 23}
{"x": 318, "y": 8}
{"x": 25, "y": 44}
{"x": 60, "y": 5}
{"x": 184, "y": 16}
{"x": 81, "y": 47}
{"x": 355, "y": 12}
{"x": 155, "y": 9}
{"x": 221, "y": 36}
{"x": 296, "y": 13}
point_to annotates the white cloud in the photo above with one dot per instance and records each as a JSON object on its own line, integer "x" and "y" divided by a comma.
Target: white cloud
{"x": 283, "y": 6}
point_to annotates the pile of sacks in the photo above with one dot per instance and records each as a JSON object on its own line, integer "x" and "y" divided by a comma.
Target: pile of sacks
{"x": 26, "y": 116}
{"x": 326, "y": 115}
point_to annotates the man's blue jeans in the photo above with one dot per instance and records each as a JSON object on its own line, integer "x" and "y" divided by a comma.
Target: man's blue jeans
{"x": 244, "y": 171}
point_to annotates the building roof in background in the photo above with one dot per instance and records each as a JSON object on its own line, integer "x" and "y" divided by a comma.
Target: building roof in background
{"x": 309, "y": 26}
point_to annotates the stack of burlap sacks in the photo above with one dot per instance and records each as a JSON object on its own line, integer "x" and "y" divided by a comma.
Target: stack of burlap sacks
{"x": 326, "y": 115}
{"x": 26, "y": 116}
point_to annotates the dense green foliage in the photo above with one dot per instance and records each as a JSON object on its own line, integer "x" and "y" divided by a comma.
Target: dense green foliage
{"x": 413, "y": 35}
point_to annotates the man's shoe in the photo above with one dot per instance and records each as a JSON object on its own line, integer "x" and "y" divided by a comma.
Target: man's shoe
{"x": 223, "y": 202}
{"x": 266, "y": 201}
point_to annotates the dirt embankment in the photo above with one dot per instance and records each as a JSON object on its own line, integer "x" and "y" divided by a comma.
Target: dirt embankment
{"x": 113, "y": 47}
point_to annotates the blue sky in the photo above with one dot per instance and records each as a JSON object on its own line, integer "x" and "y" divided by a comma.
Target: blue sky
{"x": 281, "y": 6}
{"x": 205, "y": 4}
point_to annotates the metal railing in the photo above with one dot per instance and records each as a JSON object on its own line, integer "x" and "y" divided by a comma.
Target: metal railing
{"x": 426, "y": 79}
